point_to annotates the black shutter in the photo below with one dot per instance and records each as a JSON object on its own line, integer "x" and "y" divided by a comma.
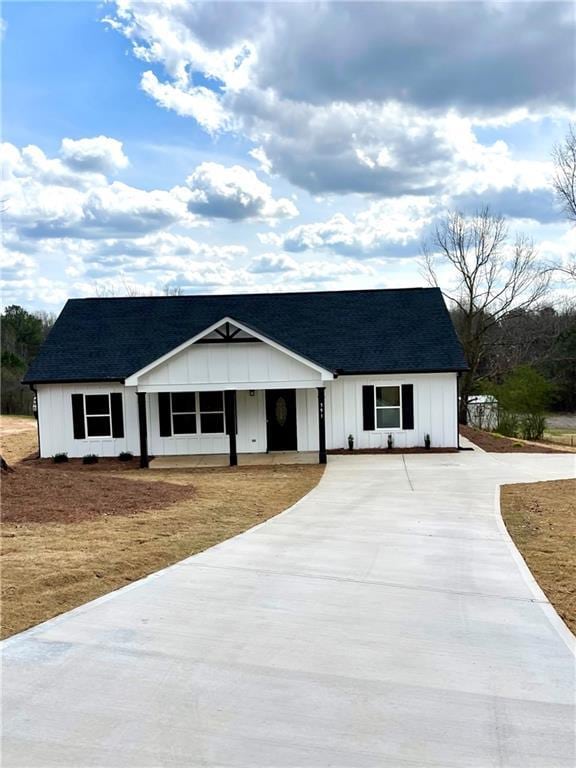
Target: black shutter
{"x": 368, "y": 407}
{"x": 407, "y": 406}
{"x": 78, "y": 417}
{"x": 165, "y": 414}
{"x": 117, "y": 414}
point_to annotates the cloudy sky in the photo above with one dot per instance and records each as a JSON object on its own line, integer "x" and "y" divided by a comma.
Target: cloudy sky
{"x": 222, "y": 147}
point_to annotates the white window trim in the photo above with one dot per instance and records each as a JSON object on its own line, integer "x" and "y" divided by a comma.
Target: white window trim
{"x": 387, "y": 408}
{"x": 198, "y": 415}
{"x": 96, "y": 415}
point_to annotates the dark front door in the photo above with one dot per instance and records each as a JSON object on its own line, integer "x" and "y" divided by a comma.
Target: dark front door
{"x": 281, "y": 419}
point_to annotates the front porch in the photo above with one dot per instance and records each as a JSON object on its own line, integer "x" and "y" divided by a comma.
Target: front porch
{"x": 202, "y": 461}
{"x": 230, "y": 395}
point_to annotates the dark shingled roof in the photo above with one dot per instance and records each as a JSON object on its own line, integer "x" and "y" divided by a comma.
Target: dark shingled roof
{"x": 375, "y": 331}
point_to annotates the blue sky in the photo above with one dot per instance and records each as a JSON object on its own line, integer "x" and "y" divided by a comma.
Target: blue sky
{"x": 251, "y": 147}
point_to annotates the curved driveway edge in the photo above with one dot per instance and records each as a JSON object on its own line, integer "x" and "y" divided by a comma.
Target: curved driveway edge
{"x": 385, "y": 620}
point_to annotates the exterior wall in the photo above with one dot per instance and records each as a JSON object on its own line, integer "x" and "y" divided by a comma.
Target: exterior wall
{"x": 435, "y": 411}
{"x": 55, "y": 421}
{"x": 435, "y": 399}
{"x": 251, "y": 438}
{"x": 229, "y": 366}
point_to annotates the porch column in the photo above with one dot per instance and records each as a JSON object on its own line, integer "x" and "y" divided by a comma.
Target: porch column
{"x": 321, "y": 426}
{"x": 143, "y": 426}
{"x": 230, "y": 414}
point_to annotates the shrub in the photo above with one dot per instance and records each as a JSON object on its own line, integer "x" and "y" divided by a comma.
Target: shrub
{"x": 532, "y": 426}
{"x": 523, "y": 397}
{"x": 90, "y": 458}
{"x": 508, "y": 423}
{"x": 524, "y": 390}
{"x": 125, "y": 456}
{"x": 60, "y": 458}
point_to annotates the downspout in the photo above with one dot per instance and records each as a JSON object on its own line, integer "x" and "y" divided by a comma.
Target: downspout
{"x": 36, "y": 414}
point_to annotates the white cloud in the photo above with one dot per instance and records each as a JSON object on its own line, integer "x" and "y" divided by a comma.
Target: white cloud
{"x": 20, "y": 281}
{"x": 100, "y": 154}
{"x": 382, "y": 117}
{"x": 234, "y": 193}
{"x": 370, "y": 233}
{"x": 272, "y": 263}
{"x": 198, "y": 102}
{"x": 71, "y": 197}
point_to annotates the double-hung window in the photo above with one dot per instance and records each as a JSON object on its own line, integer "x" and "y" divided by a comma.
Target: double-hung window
{"x": 388, "y": 403}
{"x": 197, "y": 413}
{"x": 98, "y": 415}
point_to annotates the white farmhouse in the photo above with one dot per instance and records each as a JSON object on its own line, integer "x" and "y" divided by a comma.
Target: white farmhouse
{"x": 178, "y": 375}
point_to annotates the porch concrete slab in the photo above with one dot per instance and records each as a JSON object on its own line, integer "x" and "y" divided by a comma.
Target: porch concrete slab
{"x": 244, "y": 459}
{"x": 280, "y": 457}
{"x": 191, "y": 461}
{"x": 383, "y": 621}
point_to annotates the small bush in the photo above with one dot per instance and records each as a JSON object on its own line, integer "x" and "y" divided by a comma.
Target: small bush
{"x": 90, "y": 458}
{"x": 125, "y": 456}
{"x": 60, "y": 458}
{"x": 532, "y": 426}
{"x": 508, "y": 423}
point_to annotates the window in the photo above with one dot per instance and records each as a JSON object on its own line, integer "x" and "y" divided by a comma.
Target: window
{"x": 388, "y": 408}
{"x": 98, "y": 415}
{"x": 183, "y": 413}
{"x": 211, "y": 412}
{"x": 197, "y": 413}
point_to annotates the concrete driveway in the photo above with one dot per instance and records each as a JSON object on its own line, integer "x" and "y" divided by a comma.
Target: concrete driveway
{"x": 385, "y": 620}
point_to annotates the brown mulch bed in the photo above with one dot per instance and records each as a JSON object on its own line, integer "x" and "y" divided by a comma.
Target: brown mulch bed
{"x": 31, "y": 494}
{"x": 541, "y": 518}
{"x": 76, "y": 465}
{"x": 499, "y": 444}
{"x": 345, "y": 451}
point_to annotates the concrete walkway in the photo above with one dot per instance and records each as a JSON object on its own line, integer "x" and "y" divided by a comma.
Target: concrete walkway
{"x": 385, "y": 620}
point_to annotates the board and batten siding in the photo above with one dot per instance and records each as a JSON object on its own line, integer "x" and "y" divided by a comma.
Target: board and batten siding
{"x": 435, "y": 411}
{"x": 251, "y": 437}
{"x": 229, "y": 366}
{"x": 435, "y": 399}
{"x": 57, "y": 429}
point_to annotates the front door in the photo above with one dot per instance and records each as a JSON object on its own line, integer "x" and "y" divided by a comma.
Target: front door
{"x": 281, "y": 419}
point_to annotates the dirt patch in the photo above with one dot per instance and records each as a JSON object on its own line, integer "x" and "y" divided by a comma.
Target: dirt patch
{"x": 33, "y": 495}
{"x": 541, "y": 518}
{"x": 51, "y": 567}
{"x": 492, "y": 443}
{"x": 18, "y": 438}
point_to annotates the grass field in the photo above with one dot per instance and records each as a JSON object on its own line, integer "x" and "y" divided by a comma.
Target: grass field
{"x": 541, "y": 518}
{"x": 72, "y": 533}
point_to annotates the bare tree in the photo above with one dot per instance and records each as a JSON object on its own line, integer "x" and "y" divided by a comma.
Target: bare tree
{"x": 124, "y": 288}
{"x": 564, "y": 180}
{"x": 491, "y": 277}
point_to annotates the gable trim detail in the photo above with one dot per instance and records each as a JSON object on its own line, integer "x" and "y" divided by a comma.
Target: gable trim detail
{"x": 132, "y": 380}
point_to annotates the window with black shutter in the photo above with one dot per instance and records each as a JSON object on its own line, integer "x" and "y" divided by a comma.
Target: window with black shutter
{"x": 388, "y": 406}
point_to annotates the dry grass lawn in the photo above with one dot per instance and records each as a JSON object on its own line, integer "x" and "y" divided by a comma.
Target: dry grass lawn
{"x": 73, "y": 533}
{"x": 541, "y": 518}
